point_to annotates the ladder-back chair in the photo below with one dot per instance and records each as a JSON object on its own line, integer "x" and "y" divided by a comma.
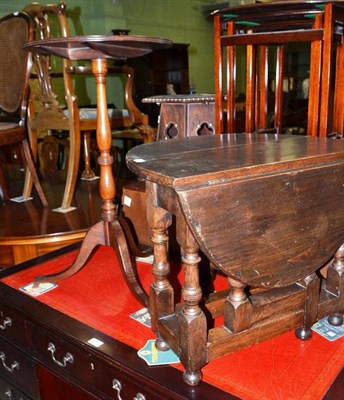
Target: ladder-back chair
{"x": 266, "y": 27}
{"x": 48, "y": 114}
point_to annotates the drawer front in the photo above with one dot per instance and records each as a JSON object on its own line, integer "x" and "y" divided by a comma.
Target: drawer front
{"x": 9, "y": 392}
{"x": 114, "y": 383}
{"x": 12, "y": 326}
{"x": 17, "y": 367}
{"x": 62, "y": 357}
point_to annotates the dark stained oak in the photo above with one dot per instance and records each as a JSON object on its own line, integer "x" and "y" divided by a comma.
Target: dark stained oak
{"x": 266, "y": 211}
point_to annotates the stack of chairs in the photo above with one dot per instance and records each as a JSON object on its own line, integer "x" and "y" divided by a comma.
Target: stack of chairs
{"x": 263, "y": 28}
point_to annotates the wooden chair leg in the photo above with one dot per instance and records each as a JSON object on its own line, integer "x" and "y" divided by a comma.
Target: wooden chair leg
{"x": 231, "y": 83}
{"x": 72, "y": 169}
{"x": 218, "y": 75}
{"x": 4, "y": 193}
{"x": 279, "y": 89}
{"x": 338, "y": 114}
{"x": 87, "y": 173}
{"x": 326, "y": 75}
{"x": 335, "y": 285}
{"x": 33, "y": 140}
{"x": 250, "y": 88}
{"x": 314, "y": 80}
{"x": 31, "y": 167}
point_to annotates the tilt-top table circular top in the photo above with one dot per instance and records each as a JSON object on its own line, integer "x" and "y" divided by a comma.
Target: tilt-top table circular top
{"x": 98, "y": 46}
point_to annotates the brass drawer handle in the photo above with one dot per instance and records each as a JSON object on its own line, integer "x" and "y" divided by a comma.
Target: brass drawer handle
{"x": 68, "y": 358}
{"x": 14, "y": 365}
{"x": 9, "y": 394}
{"x": 139, "y": 396}
{"x": 7, "y": 322}
{"x": 116, "y": 384}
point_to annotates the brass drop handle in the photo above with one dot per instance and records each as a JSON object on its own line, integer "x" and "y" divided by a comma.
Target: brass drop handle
{"x": 116, "y": 384}
{"x": 9, "y": 394}
{"x": 139, "y": 396}
{"x": 7, "y": 322}
{"x": 12, "y": 367}
{"x": 68, "y": 358}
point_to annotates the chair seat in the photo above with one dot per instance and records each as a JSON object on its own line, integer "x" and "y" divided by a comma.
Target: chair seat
{"x": 132, "y": 134}
{"x": 91, "y": 113}
{"x": 8, "y": 125}
{"x": 11, "y": 133}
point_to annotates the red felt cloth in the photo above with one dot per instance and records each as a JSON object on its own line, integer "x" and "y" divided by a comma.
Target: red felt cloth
{"x": 278, "y": 369}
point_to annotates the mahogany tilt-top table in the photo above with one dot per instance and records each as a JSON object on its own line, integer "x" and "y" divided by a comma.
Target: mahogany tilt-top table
{"x": 266, "y": 210}
{"x": 109, "y": 231}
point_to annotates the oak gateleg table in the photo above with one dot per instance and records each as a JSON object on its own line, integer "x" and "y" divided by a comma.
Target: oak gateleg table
{"x": 109, "y": 231}
{"x": 266, "y": 210}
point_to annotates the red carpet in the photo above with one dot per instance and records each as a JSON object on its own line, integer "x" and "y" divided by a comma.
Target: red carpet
{"x": 282, "y": 368}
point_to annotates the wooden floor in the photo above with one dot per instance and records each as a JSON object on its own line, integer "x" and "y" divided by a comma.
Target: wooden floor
{"x": 28, "y": 230}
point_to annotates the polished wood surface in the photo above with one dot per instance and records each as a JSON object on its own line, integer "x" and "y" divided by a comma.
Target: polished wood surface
{"x": 98, "y": 46}
{"x": 28, "y": 230}
{"x": 266, "y": 211}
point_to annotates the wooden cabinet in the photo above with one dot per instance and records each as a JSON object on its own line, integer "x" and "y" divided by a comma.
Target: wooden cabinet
{"x": 157, "y": 69}
{"x": 15, "y": 365}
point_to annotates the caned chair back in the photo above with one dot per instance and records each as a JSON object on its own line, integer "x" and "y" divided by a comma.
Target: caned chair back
{"x": 15, "y": 30}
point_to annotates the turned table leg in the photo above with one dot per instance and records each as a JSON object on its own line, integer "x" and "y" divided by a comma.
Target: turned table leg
{"x": 87, "y": 173}
{"x": 238, "y": 308}
{"x": 312, "y": 286}
{"x": 161, "y": 299}
{"x": 191, "y": 320}
{"x": 335, "y": 285}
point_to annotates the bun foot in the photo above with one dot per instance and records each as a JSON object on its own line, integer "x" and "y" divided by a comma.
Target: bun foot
{"x": 161, "y": 344}
{"x": 335, "y": 320}
{"x": 192, "y": 378}
{"x": 303, "y": 333}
